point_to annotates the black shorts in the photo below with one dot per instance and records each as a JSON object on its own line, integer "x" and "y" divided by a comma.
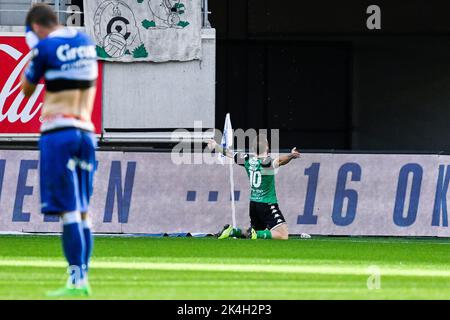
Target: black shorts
{"x": 265, "y": 215}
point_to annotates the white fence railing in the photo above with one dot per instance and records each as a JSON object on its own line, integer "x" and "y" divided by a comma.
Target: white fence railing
{"x": 13, "y": 12}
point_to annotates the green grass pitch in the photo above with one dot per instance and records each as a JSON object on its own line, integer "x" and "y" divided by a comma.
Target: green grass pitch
{"x": 206, "y": 268}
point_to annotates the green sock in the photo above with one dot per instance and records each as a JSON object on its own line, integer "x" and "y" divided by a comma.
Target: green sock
{"x": 236, "y": 232}
{"x": 264, "y": 234}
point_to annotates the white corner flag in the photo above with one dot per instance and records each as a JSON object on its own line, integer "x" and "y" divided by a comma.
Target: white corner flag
{"x": 227, "y": 137}
{"x": 227, "y": 143}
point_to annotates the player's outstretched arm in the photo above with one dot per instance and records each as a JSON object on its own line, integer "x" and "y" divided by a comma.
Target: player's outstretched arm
{"x": 212, "y": 144}
{"x": 283, "y": 160}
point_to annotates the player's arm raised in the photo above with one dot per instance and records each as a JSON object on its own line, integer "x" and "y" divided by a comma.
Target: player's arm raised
{"x": 212, "y": 144}
{"x": 34, "y": 71}
{"x": 32, "y": 41}
{"x": 283, "y": 160}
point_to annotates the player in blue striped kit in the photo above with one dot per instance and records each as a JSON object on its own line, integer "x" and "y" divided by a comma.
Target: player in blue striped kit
{"x": 66, "y": 59}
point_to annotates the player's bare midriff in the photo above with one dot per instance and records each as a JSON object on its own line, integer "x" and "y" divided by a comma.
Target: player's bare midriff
{"x": 77, "y": 103}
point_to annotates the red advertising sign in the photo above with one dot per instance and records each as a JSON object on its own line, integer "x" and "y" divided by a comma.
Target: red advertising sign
{"x": 19, "y": 115}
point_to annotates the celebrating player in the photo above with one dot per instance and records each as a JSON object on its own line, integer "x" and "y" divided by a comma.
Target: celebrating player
{"x": 266, "y": 219}
{"x": 66, "y": 58}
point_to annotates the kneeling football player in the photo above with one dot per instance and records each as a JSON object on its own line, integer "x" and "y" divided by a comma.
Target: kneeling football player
{"x": 266, "y": 219}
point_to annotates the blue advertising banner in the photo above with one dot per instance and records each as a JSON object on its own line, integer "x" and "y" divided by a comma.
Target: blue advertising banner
{"x": 327, "y": 194}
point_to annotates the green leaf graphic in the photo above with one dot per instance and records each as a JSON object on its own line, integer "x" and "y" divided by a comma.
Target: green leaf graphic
{"x": 148, "y": 24}
{"x": 101, "y": 53}
{"x": 183, "y": 24}
{"x": 140, "y": 52}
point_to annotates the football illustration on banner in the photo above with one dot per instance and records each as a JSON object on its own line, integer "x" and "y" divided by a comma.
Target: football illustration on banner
{"x": 166, "y": 14}
{"x": 116, "y": 31}
{"x": 145, "y": 30}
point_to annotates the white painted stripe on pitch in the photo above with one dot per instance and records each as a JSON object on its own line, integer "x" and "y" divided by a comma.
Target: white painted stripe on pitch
{"x": 310, "y": 269}
{"x": 431, "y": 241}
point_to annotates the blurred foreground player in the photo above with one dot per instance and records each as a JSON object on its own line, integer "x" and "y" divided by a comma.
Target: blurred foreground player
{"x": 266, "y": 219}
{"x": 66, "y": 58}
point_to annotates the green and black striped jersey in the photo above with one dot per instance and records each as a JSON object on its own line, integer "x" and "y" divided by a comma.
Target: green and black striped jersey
{"x": 261, "y": 174}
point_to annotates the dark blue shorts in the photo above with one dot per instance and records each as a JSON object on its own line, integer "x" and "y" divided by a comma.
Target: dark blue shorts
{"x": 67, "y": 166}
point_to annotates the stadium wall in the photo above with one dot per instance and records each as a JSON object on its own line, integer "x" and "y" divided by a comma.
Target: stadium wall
{"x": 161, "y": 95}
{"x": 326, "y": 194}
{"x": 401, "y": 93}
{"x": 297, "y": 68}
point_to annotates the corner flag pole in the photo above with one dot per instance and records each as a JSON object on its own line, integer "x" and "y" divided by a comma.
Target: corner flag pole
{"x": 227, "y": 142}
{"x": 233, "y": 205}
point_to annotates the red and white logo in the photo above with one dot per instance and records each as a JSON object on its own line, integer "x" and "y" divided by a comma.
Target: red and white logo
{"x": 17, "y": 113}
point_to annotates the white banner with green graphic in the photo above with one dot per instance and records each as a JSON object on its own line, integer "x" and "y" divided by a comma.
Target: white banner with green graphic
{"x": 145, "y": 30}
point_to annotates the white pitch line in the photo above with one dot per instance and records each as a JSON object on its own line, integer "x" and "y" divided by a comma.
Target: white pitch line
{"x": 378, "y": 241}
{"x": 299, "y": 269}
